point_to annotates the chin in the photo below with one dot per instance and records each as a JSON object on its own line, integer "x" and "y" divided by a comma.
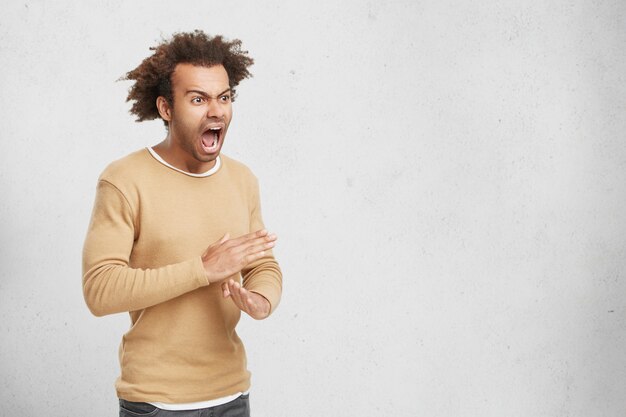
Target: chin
{"x": 204, "y": 157}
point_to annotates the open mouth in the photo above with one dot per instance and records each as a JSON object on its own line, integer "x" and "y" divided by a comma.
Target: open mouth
{"x": 211, "y": 139}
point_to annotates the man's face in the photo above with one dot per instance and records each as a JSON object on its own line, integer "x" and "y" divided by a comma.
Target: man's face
{"x": 200, "y": 116}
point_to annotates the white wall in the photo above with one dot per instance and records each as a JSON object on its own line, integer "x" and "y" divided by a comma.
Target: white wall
{"x": 446, "y": 179}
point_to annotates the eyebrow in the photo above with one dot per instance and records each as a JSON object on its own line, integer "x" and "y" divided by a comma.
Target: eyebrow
{"x": 204, "y": 94}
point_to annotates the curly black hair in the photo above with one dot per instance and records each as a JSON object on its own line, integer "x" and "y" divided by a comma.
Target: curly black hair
{"x": 153, "y": 77}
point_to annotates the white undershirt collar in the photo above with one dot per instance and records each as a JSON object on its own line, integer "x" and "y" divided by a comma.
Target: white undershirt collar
{"x": 216, "y": 167}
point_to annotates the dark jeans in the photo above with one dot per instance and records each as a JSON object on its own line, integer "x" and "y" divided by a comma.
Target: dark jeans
{"x": 239, "y": 407}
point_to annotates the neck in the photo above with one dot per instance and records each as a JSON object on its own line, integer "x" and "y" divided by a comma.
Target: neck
{"x": 176, "y": 156}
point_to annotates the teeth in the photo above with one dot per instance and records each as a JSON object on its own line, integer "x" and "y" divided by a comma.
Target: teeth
{"x": 212, "y": 137}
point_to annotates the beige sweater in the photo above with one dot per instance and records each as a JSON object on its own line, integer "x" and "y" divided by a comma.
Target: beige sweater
{"x": 149, "y": 228}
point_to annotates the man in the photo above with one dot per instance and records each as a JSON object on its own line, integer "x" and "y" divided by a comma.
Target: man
{"x": 177, "y": 240}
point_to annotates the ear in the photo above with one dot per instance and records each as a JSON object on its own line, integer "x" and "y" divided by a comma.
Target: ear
{"x": 164, "y": 108}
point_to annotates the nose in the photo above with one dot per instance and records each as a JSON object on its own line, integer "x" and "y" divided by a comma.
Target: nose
{"x": 215, "y": 108}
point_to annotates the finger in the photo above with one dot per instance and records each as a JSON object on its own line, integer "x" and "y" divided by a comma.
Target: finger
{"x": 235, "y": 294}
{"x": 245, "y": 295}
{"x": 263, "y": 239}
{"x": 225, "y": 290}
{"x": 253, "y": 235}
{"x": 253, "y": 238}
{"x": 251, "y": 306}
{"x": 260, "y": 247}
{"x": 248, "y": 259}
{"x": 256, "y": 245}
{"x": 231, "y": 293}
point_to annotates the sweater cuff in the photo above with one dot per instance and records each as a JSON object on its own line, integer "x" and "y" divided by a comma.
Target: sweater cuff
{"x": 267, "y": 290}
{"x": 199, "y": 272}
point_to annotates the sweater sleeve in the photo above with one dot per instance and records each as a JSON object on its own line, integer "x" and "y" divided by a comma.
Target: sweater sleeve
{"x": 264, "y": 275}
{"x": 109, "y": 284}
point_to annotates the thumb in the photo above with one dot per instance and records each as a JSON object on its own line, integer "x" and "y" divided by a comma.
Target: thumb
{"x": 219, "y": 242}
{"x": 225, "y": 291}
{"x": 224, "y": 238}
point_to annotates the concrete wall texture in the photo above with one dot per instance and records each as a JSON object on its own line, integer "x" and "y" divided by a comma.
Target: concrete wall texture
{"x": 446, "y": 179}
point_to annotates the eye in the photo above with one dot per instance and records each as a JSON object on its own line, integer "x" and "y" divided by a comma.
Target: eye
{"x": 225, "y": 98}
{"x": 197, "y": 100}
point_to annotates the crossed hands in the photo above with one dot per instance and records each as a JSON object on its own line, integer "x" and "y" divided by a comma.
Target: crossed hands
{"x": 227, "y": 257}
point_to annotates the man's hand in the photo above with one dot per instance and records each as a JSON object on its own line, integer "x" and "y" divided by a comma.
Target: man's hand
{"x": 229, "y": 256}
{"x": 249, "y": 302}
